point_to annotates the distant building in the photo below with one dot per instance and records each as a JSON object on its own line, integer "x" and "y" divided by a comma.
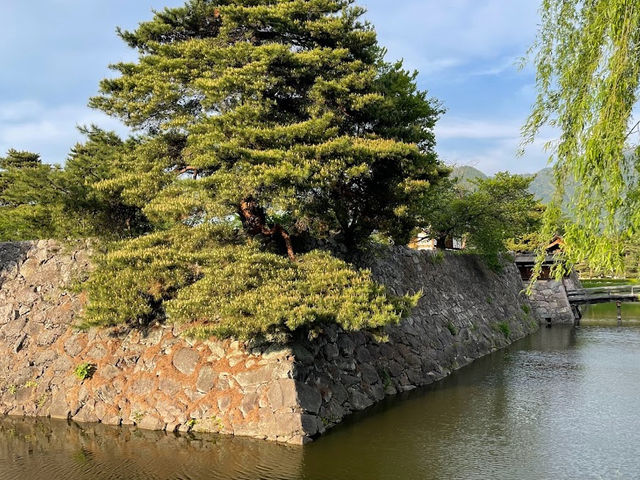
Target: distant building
{"x": 549, "y": 297}
{"x": 425, "y": 241}
{"x": 556, "y": 244}
{"x": 527, "y": 261}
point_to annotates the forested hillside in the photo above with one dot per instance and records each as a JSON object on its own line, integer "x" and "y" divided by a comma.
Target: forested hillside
{"x": 541, "y": 186}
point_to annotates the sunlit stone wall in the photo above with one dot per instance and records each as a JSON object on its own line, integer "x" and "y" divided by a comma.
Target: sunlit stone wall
{"x": 550, "y": 302}
{"x": 159, "y": 380}
{"x": 156, "y": 379}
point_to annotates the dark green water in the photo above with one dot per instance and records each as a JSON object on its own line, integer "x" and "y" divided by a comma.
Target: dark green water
{"x": 607, "y": 314}
{"x": 562, "y": 404}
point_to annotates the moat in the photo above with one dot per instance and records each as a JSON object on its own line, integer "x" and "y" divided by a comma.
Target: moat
{"x": 559, "y": 404}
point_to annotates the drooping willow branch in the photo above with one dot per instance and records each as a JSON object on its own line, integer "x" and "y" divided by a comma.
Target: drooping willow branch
{"x": 587, "y": 57}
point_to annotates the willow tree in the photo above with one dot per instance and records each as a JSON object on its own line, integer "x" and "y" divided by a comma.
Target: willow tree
{"x": 265, "y": 128}
{"x": 587, "y": 56}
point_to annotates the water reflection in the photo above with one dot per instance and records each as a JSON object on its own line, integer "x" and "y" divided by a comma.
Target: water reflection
{"x": 545, "y": 409}
{"x": 54, "y": 449}
{"x": 607, "y": 314}
{"x": 561, "y": 404}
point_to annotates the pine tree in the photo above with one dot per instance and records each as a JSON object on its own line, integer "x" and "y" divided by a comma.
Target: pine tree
{"x": 282, "y": 113}
{"x": 264, "y": 128}
{"x": 39, "y": 200}
{"x": 25, "y": 186}
{"x": 269, "y": 135}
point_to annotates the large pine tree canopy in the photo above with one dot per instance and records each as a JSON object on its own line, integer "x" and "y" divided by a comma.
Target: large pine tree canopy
{"x": 283, "y": 109}
{"x": 264, "y": 130}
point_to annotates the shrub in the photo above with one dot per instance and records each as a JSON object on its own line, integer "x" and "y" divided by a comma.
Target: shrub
{"x": 84, "y": 370}
{"x": 386, "y": 378}
{"x": 504, "y": 328}
{"x": 436, "y": 257}
{"x": 186, "y": 276}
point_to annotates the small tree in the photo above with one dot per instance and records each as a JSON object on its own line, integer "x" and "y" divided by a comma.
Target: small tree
{"x": 26, "y": 186}
{"x": 45, "y": 201}
{"x": 488, "y": 216}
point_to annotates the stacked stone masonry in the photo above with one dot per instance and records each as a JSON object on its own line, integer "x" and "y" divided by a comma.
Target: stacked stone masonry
{"x": 160, "y": 380}
{"x": 550, "y": 301}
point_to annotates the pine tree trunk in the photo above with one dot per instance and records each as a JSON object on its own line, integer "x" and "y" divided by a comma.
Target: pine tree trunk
{"x": 255, "y": 222}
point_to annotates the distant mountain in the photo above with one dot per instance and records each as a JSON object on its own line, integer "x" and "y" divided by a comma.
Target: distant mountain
{"x": 466, "y": 174}
{"x": 542, "y": 185}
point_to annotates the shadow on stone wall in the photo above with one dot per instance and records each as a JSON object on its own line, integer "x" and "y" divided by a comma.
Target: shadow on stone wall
{"x": 467, "y": 311}
{"x": 12, "y": 254}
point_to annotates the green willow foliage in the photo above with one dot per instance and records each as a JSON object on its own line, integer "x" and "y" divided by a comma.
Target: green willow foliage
{"x": 588, "y": 71}
{"x": 263, "y": 128}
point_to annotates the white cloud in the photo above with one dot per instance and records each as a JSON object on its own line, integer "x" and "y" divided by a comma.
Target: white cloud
{"x": 490, "y": 145}
{"x": 51, "y": 131}
{"x": 508, "y": 64}
{"x": 439, "y": 64}
{"x": 425, "y": 31}
{"x": 459, "y": 128}
{"x": 499, "y": 156}
{"x": 16, "y": 111}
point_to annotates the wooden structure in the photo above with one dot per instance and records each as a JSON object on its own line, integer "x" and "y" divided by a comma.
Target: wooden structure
{"x": 424, "y": 241}
{"x": 590, "y": 296}
{"x": 549, "y": 297}
{"x": 559, "y": 301}
{"x": 526, "y": 261}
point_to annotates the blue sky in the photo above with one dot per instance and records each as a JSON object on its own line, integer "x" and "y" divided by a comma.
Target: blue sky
{"x": 54, "y": 52}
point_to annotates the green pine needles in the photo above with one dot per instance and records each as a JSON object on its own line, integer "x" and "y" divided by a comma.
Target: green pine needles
{"x": 263, "y": 130}
{"x": 272, "y": 110}
{"x": 39, "y": 200}
{"x": 187, "y": 275}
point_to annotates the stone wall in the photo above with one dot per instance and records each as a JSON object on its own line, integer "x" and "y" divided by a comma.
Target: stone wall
{"x": 155, "y": 379}
{"x": 550, "y": 302}
{"x": 158, "y": 379}
{"x": 466, "y": 312}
